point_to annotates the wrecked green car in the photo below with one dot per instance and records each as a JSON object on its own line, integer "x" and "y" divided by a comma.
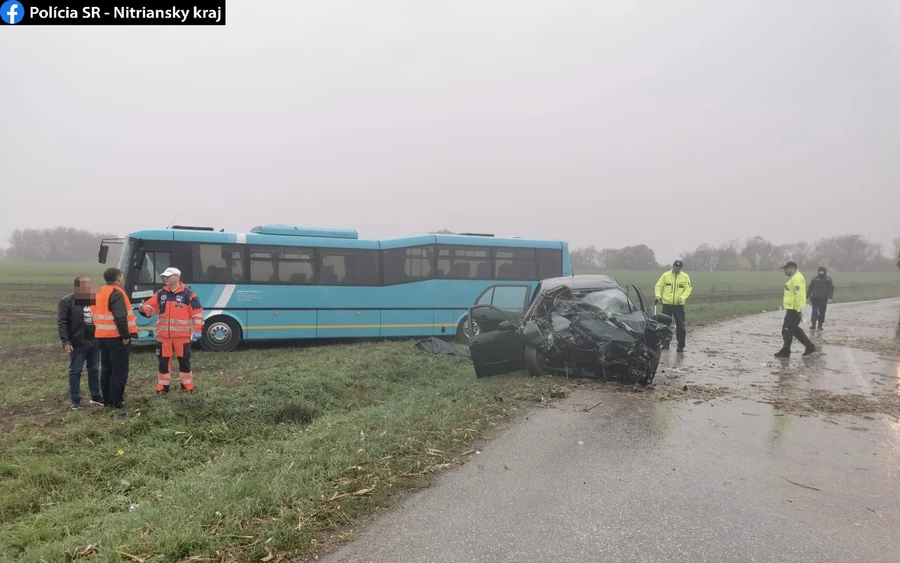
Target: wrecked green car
{"x": 582, "y": 326}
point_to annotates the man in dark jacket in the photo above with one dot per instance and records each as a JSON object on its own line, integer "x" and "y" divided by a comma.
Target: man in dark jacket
{"x": 821, "y": 293}
{"x": 114, "y": 327}
{"x": 75, "y": 325}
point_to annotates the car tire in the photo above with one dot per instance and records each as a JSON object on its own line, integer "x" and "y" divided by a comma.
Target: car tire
{"x": 462, "y": 330}
{"x": 651, "y": 373}
{"x": 220, "y": 334}
{"x": 535, "y": 360}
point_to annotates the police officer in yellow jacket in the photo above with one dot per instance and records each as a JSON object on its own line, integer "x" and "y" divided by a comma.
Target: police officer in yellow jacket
{"x": 672, "y": 290}
{"x": 794, "y": 300}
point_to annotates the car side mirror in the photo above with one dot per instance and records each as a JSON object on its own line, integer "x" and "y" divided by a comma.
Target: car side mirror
{"x": 663, "y": 318}
{"x": 104, "y": 252}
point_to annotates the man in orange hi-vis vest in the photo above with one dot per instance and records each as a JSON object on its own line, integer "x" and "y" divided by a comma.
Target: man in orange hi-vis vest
{"x": 180, "y": 322}
{"x": 114, "y": 327}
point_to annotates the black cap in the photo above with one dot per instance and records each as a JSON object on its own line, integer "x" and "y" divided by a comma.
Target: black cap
{"x": 788, "y": 265}
{"x": 678, "y": 263}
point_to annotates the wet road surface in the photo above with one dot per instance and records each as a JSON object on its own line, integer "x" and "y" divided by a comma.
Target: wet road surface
{"x": 645, "y": 480}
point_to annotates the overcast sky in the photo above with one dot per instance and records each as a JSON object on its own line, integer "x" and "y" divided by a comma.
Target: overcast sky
{"x": 669, "y": 123}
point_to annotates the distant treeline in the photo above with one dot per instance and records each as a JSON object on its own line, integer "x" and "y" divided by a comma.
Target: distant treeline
{"x": 845, "y": 253}
{"x": 62, "y": 244}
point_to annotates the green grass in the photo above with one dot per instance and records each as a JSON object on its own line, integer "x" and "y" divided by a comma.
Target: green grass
{"x": 264, "y": 459}
{"x": 270, "y": 437}
{"x": 848, "y": 287}
{"x": 47, "y": 273}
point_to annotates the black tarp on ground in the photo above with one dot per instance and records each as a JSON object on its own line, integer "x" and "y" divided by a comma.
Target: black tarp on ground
{"x": 434, "y": 345}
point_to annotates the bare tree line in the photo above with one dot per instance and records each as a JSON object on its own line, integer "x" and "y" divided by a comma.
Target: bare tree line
{"x": 845, "y": 253}
{"x": 60, "y": 244}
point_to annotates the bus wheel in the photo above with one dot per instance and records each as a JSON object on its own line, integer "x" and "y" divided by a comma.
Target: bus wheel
{"x": 466, "y": 330}
{"x": 221, "y": 334}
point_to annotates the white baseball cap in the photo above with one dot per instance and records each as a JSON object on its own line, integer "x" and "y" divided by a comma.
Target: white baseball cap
{"x": 170, "y": 272}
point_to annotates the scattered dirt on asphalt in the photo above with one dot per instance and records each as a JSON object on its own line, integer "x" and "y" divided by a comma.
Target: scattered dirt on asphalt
{"x": 821, "y": 401}
{"x": 695, "y": 393}
{"x": 886, "y": 348}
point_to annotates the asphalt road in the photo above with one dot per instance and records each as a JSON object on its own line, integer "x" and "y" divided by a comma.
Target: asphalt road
{"x": 724, "y": 481}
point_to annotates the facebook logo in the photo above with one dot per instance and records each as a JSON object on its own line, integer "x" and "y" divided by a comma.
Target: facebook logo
{"x": 12, "y": 11}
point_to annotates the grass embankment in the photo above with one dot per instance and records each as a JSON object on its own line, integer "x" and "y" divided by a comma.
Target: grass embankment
{"x": 278, "y": 446}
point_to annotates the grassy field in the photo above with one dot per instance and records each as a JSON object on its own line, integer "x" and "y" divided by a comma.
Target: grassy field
{"x": 49, "y": 273}
{"x": 738, "y": 284}
{"x": 281, "y": 448}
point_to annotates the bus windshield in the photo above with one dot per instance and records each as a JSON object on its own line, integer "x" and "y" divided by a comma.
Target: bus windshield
{"x": 126, "y": 257}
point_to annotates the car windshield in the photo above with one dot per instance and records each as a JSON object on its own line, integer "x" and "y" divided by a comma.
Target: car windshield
{"x": 612, "y": 300}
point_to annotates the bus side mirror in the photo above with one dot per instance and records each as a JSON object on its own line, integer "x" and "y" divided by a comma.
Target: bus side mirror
{"x": 104, "y": 251}
{"x": 139, "y": 259}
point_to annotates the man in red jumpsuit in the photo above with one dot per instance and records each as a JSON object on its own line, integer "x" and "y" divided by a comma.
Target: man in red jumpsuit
{"x": 180, "y": 322}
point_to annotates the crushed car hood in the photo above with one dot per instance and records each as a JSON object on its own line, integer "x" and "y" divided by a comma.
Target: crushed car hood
{"x": 584, "y": 335}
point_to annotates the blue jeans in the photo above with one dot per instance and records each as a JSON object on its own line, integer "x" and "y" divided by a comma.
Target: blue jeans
{"x": 88, "y": 352}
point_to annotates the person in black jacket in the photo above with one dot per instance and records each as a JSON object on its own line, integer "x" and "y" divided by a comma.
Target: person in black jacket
{"x": 820, "y": 293}
{"x": 75, "y": 326}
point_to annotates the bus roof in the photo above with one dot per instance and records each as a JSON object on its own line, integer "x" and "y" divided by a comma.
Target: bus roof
{"x": 287, "y": 235}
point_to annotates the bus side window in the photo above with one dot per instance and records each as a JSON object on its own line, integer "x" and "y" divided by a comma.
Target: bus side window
{"x": 218, "y": 263}
{"x": 296, "y": 266}
{"x": 464, "y": 263}
{"x": 154, "y": 264}
{"x": 515, "y": 264}
{"x": 407, "y": 264}
{"x": 549, "y": 263}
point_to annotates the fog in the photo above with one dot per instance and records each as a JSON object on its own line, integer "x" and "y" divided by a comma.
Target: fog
{"x": 606, "y": 123}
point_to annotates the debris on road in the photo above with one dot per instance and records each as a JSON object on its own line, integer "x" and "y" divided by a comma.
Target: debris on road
{"x": 800, "y": 484}
{"x": 819, "y": 400}
{"x": 590, "y": 408}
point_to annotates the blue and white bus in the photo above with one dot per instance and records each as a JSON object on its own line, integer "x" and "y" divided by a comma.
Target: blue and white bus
{"x": 284, "y": 282}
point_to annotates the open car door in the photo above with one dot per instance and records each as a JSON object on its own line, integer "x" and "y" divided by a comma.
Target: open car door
{"x": 498, "y": 351}
{"x": 499, "y": 303}
{"x": 642, "y": 300}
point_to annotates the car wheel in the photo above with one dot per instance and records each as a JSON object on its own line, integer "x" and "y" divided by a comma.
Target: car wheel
{"x": 220, "y": 334}
{"x": 535, "y": 361}
{"x": 466, "y": 330}
{"x": 651, "y": 373}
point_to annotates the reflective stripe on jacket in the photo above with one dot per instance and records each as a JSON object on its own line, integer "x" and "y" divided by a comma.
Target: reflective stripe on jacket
{"x": 795, "y": 293}
{"x": 671, "y": 287}
{"x": 113, "y": 317}
{"x": 180, "y": 313}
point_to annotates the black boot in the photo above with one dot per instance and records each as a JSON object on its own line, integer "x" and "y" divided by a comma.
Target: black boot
{"x": 783, "y": 354}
